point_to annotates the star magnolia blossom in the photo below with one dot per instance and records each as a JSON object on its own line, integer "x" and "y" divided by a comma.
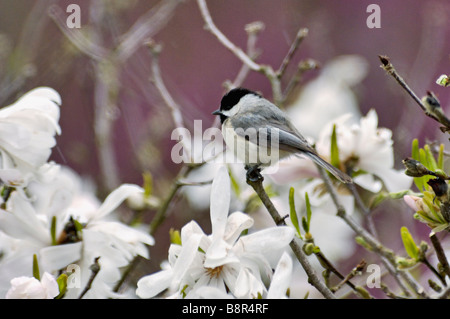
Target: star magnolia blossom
{"x": 27, "y": 130}
{"x": 43, "y": 198}
{"x": 225, "y": 259}
{"x": 31, "y": 288}
{"x": 364, "y": 146}
{"x": 370, "y": 150}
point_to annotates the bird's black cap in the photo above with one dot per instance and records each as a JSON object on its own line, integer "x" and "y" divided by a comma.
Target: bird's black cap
{"x": 233, "y": 97}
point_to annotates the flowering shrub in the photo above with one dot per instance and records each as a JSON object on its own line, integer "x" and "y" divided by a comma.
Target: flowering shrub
{"x": 292, "y": 232}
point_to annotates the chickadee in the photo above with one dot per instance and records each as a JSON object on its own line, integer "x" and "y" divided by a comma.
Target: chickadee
{"x": 254, "y": 129}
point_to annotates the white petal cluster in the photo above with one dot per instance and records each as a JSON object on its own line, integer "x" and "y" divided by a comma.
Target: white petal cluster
{"x": 226, "y": 262}
{"x": 48, "y": 211}
{"x": 370, "y": 149}
{"x": 31, "y": 288}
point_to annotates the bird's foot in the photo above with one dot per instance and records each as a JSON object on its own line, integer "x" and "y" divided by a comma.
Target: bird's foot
{"x": 253, "y": 173}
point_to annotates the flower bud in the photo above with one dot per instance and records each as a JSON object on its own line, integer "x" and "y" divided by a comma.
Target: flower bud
{"x": 443, "y": 80}
{"x": 415, "y": 168}
{"x": 439, "y": 187}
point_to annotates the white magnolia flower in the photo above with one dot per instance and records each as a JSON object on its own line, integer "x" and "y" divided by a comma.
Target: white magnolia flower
{"x": 364, "y": 146}
{"x": 27, "y": 130}
{"x": 225, "y": 259}
{"x": 29, "y": 221}
{"x": 31, "y": 288}
{"x": 368, "y": 148}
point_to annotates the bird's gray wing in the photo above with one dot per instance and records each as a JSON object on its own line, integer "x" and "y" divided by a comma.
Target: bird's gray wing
{"x": 270, "y": 127}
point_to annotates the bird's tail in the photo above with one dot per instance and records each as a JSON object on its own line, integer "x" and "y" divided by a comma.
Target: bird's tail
{"x": 344, "y": 178}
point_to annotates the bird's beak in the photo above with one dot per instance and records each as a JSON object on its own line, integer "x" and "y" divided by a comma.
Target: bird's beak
{"x": 217, "y": 112}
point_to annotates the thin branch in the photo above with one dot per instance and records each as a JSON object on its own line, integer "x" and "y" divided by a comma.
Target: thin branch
{"x": 253, "y": 29}
{"x": 425, "y": 261}
{"x": 303, "y": 66}
{"x": 95, "y": 269}
{"x": 161, "y": 214}
{"x": 301, "y": 34}
{"x": 368, "y": 238}
{"x": 355, "y": 271}
{"x": 210, "y": 26}
{"x": 388, "y": 263}
{"x": 75, "y": 36}
{"x": 313, "y": 279}
{"x": 267, "y": 70}
{"x": 440, "y": 253}
{"x": 389, "y": 68}
{"x": 155, "y": 50}
{"x": 429, "y": 104}
{"x": 146, "y": 26}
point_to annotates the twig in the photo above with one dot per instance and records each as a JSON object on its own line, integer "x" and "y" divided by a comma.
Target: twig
{"x": 369, "y": 239}
{"x": 355, "y": 271}
{"x": 425, "y": 261}
{"x": 301, "y": 34}
{"x": 303, "y": 66}
{"x": 95, "y": 268}
{"x": 445, "y": 294}
{"x": 389, "y": 68}
{"x": 253, "y": 29}
{"x": 388, "y": 263}
{"x": 241, "y": 55}
{"x": 155, "y": 50}
{"x": 75, "y": 36}
{"x": 440, "y": 253}
{"x": 210, "y": 26}
{"x": 313, "y": 279}
{"x": 146, "y": 26}
{"x": 107, "y": 64}
{"x": 161, "y": 214}
{"x": 429, "y": 104}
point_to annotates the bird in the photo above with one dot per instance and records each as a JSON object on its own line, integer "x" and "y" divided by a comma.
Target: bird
{"x": 256, "y": 129}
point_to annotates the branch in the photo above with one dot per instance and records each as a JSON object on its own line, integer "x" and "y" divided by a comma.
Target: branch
{"x": 264, "y": 69}
{"x": 146, "y": 26}
{"x": 375, "y": 245}
{"x": 301, "y": 34}
{"x": 313, "y": 279}
{"x": 75, "y": 36}
{"x": 210, "y": 26}
{"x": 155, "y": 50}
{"x": 429, "y": 104}
{"x": 95, "y": 268}
{"x": 161, "y": 214}
{"x": 440, "y": 253}
{"x": 252, "y": 29}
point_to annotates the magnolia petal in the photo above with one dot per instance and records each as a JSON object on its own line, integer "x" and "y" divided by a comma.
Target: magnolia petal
{"x": 23, "y": 223}
{"x": 150, "y": 286}
{"x": 248, "y": 286}
{"x": 50, "y": 285}
{"x": 368, "y": 181}
{"x": 274, "y": 238}
{"x": 207, "y": 292}
{"x": 58, "y": 257}
{"x": 186, "y": 257}
{"x": 281, "y": 278}
{"x": 116, "y": 198}
{"x": 44, "y": 92}
{"x": 220, "y": 202}
{"x": 219, "y": 254}
{"x": 237, "y": 222}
